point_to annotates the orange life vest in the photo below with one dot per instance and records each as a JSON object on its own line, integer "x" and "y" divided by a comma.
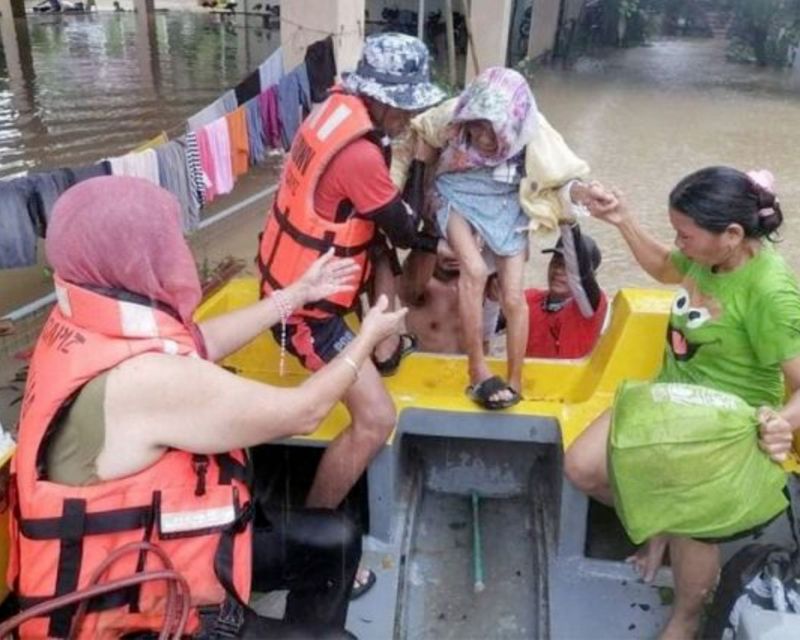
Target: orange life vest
{"x": 195, "y": 507}
{"x": 295, "y": 234}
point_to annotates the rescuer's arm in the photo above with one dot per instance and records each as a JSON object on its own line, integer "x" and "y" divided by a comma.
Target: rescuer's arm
{"x": 159, "y": 401}
{"x": 229, "y": 332}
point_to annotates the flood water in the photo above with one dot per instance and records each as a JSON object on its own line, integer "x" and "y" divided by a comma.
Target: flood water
{"x": 98, "y": 85}
{"x": 645, "y": 117}
{"x": 642, "y": 117}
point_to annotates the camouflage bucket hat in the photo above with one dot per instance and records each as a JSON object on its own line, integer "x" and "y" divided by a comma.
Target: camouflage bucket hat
{"x": 395, "y": 69}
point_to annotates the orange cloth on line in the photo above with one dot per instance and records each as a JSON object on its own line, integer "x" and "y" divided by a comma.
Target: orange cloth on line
{"x": 240, "y": 143}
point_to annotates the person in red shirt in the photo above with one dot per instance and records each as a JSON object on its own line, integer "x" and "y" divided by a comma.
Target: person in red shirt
{"x": 567, "y": 317}
{"x": 336, "y": 194}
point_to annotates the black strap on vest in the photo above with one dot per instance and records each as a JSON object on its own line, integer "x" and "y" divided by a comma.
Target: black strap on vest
{"x": 231, "y": 469}
{"x": 99, "y": 523}
{"x": 135, "y": 591}
{"x": 318, "y": 244}
{"x": 72, "y": 525}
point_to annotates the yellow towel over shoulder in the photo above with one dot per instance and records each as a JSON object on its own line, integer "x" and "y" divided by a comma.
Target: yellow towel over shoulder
{"x": 549, "y": 163}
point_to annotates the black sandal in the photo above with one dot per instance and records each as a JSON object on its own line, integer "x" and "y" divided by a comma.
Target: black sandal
{"x": 406, "y": 345}
{"x": 482, "y": 392}
{"x": 360, "y": 588}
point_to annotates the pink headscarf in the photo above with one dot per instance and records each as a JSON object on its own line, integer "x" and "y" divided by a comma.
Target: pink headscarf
{"x": 125, "y": 233}
{"x": 503, "y": 97}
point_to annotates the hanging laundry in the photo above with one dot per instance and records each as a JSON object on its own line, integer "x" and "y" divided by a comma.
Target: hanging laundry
{"x": 207, "y": 161}
{"x": 220, "y": 144}
{"x": 321, "y": 66}
{"x": 45, "y": 189}
{"x": 172, "y": 175}
{"x": 92, "y": 171}
{"x": 294, "y": 102}
{"x": 160, "y": 139}
{"x": 248, "y": 88}
{"x": 240, "y": 146}
{"x": 255, "y": 132}
{"x": 270, "y": 117}
{"x": 271, "y": 70}
{"x": 194, "y": 169}
{"x": 17, "y": 234}
{"x": 217, "y": 109}
{"x": 143, "y": 164}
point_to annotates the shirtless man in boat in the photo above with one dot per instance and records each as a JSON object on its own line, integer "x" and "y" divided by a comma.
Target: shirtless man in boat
{"x": 429, "y": 288}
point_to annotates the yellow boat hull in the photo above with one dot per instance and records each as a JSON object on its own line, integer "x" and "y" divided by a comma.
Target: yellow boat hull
{"x": 574, "y": 392}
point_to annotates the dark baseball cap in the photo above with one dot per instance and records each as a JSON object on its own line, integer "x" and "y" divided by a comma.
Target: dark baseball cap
{"x": 589, "y": 246}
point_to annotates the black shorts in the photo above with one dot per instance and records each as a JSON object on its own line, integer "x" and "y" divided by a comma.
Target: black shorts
{"x": 315, "y": 342}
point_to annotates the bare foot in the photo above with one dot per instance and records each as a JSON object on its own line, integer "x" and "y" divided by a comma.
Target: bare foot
{"x": 680, "y": 628}
{"x": 647, "y": 560}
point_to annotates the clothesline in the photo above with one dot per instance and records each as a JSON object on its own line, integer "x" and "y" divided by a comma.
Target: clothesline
{"x": 36, "y": 305}
{"x": 325, "y": 32}
{"x": 216, "y": 146}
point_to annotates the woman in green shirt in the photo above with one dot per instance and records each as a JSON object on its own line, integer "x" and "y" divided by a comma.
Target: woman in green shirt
{"x": 734, "y": 326}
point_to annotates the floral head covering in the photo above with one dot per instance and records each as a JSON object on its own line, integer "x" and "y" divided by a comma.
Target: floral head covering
{"x": 504, "y": 98}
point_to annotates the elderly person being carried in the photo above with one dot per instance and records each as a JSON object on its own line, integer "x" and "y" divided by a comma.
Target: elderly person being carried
{"x": 501, "y": 171}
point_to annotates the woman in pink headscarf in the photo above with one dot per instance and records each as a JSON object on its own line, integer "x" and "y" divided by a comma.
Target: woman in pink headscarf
{"x": 125, "y": 278}
{"x": 733, "y": 328}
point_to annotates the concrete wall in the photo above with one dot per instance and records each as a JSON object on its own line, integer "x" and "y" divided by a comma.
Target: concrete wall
{"x": 544, "y": 27}
{"x": 490, "y": 24}
{"x": 572, "y": 9}
{"x": 343, "y": 18}
{"x": 12, "y": 8}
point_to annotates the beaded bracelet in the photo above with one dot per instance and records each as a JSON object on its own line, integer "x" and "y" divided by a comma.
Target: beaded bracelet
{"x": 285, "y": 310}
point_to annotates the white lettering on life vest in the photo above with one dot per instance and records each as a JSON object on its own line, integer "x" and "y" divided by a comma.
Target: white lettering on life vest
{"x": 182, "y": 521}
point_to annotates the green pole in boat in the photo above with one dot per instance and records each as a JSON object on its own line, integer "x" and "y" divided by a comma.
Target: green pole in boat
{"x": 477, "y": 555}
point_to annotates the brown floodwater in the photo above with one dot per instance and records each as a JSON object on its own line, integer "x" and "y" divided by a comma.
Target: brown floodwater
{"x": 86, "y": 87}
{"x": 642, "y": 117}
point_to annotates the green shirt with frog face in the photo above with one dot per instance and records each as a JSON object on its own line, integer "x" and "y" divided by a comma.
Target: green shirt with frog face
{"x": 731, "y": 331}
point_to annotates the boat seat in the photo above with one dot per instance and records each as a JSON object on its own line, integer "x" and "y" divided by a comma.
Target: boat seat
{"x": 571, "y": 392}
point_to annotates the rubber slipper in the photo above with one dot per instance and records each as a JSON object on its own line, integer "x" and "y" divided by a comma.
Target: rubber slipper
{"x": 360, "y": 588}
{"x": 406, "y": 345}
{"x": 482, "y": 392}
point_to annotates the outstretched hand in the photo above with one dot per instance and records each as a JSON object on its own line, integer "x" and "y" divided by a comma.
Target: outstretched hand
{"x": 775, "y": 434}
{"x": 327, "y": 276}
{"x": 380, "y": 323}
{"x": 594, "y": 196}
{"x": 611, "y": 208}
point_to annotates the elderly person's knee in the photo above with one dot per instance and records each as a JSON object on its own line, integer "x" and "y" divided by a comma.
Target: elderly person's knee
{"x": 475, "y": 273}
{"x": 513, "y": 301}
